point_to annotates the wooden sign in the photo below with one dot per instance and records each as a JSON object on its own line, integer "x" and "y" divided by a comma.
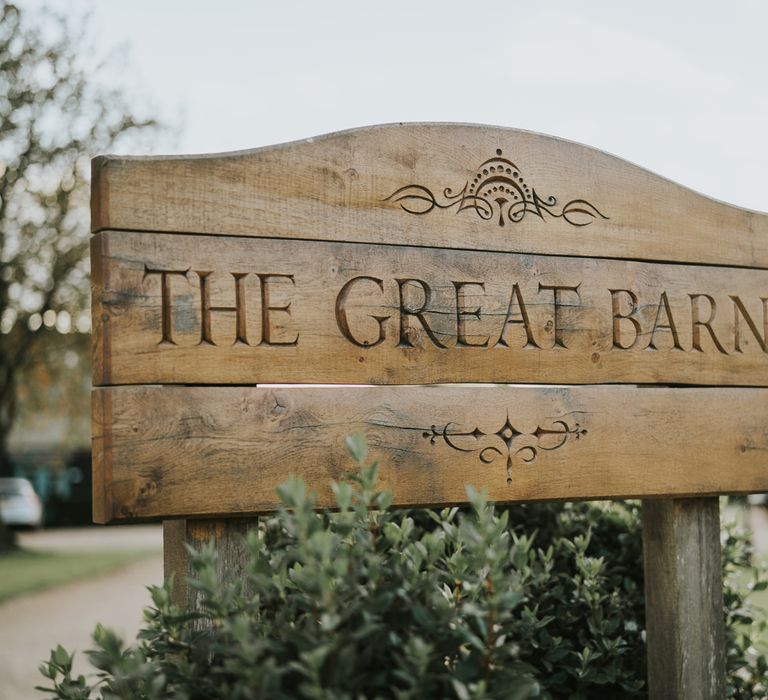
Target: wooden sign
{"x": 421, "y": 255}
{"x": 463, "y": 257}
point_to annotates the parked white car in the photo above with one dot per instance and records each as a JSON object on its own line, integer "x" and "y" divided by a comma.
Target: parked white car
{"x": 20, "y": 506}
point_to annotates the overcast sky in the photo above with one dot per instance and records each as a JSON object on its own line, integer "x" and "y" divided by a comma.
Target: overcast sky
{"x": 677, "y": 87}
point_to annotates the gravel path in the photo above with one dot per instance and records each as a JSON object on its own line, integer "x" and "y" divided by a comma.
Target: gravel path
{"x": 84, "y": 539}
{"x": 31, "y": 625}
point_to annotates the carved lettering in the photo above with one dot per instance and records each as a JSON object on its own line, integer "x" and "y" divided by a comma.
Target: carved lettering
{"x": 668, "y": 326}
{"x": 165, "y": 301}
{"x": 417, "y": 313}
{"x": 697, "y": 324}
{"x": 557, "y": 304}
{"x": 341, "y": 313}
{"x": 461, "y": 314}
{"x": 266, "y": 308}
{"x": 206, "y": 337}
{"x": 517, "y": 296}
{"x": 618, "y": 317}
{"x": 426, "y": 308}
{"x": 740, "y": 311}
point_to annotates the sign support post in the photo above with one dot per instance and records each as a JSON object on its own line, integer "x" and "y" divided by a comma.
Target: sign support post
{"x": 684, "y": 598}
{"x": 228, "y": 538}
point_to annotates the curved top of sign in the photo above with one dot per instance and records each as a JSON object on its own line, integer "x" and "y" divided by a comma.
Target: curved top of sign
{"x": 431, "y": 185}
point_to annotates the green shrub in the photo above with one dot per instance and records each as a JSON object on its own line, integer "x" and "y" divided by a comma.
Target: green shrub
{"x": 533, "y": 601}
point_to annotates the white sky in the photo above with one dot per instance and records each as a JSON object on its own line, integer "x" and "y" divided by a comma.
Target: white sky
{"x": 677, "y": 87}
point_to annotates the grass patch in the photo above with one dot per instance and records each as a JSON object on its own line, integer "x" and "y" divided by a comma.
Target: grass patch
{"x": 26, "y": 572}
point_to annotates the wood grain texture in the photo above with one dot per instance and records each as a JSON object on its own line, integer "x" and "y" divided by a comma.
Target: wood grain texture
{"x": 101, "y": 490}
{"x": 281, "y": 311}
{"x": 684, "y": 599}
{"x": 208, "y": 451}
{"x": 228, "y": 538}
{"x": 340, "y": 187}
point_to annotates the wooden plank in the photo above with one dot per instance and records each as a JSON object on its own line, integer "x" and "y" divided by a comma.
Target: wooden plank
{"x": 209, "y": 451}
{"x": 228, "y": 538}
{"x": 101, "y": 492}
{"x": 360, "y": 186}
{"x": 226, "y": 310}
{"x": 684, "y": 599}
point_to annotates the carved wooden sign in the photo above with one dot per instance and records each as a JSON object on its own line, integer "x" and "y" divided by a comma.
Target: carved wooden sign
{"x": 412, "y": 255}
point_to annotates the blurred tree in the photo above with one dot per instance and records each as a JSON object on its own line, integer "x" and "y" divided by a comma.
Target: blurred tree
{"x": 55, "y": 112}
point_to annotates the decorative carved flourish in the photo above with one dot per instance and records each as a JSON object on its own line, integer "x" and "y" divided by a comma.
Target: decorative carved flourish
{"x": 499, "y": 191}
{"x": 506, "y": 441}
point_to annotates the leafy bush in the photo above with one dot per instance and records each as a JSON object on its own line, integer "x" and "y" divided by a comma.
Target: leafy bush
{"x": 537, "y": 600}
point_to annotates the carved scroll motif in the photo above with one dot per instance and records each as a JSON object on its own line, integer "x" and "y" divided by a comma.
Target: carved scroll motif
{"x": 507, "y": 441}
{"x": 497, "y": 191}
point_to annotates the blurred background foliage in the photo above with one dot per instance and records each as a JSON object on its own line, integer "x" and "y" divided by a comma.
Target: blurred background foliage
{"x": 56, "y": 111}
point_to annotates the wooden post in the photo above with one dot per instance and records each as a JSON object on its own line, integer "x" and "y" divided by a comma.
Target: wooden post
{"x": 684, "y": 599}
{"x": 226, "y": 534}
